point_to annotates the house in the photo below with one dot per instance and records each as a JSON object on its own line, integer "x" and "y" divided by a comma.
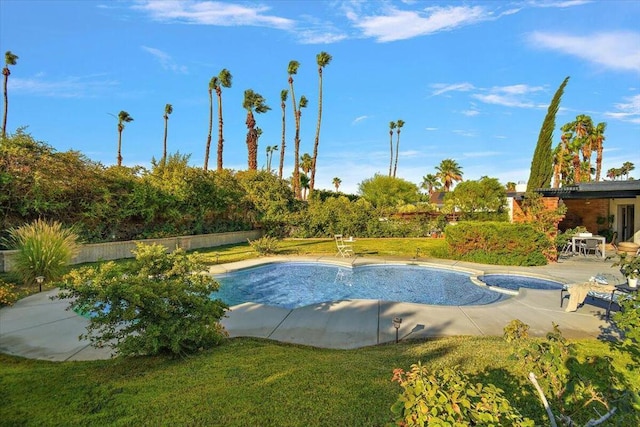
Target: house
{"x": 612, "y": 206}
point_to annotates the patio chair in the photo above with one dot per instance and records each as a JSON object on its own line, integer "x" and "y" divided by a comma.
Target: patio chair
{"x": 344, "y": 250}
{"x": 590, "y": 246}
{"x": 566, "y": 251}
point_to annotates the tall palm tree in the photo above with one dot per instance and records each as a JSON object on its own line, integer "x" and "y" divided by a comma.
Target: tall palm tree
{"x": 292, "y": 70}
{"x": 283, "y": 103}
{"x": 392, "y": 126}
{"x": 253, "y": 101}
{"x": 336, "y": 183}
{"x": 207, "y": 149}
{"x": 323, "y": 59}
{"x": 123, "y": 117}
{"x": 449, "y": 171}
{"x": 270, "y": 150}
{"x": 626, "y": 169}
{"x": 9, "y": 59}
{"x": 223, "y": 80}
{"x": 598, "y": 139}
{"x": 306, "y": 162}
{"x": 296, "y": 167}
{"x": 399, "y": 125}
{"x": 431, "y": 183}
{"x": 168, "y": 109}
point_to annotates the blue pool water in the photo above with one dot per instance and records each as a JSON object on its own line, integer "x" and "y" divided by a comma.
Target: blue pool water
{"x": 513, "y": 282}
{"x": 293, "y": 285}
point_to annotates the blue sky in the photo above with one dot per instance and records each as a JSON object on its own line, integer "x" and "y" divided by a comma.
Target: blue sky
{"x": 471, "y": 80}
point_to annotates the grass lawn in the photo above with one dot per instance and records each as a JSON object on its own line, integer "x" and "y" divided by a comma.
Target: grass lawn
{"x": 251, "y": 382}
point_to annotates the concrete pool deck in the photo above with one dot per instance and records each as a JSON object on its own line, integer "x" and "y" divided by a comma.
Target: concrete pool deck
{"x": 39, "y": 327}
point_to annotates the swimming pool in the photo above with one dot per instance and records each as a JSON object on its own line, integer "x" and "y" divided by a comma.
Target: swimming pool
{"x": 293, "y": 285}
{"x": 514, "y": 282}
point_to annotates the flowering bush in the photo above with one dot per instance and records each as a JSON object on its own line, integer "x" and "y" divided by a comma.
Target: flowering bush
{"x": 8, "y": 294}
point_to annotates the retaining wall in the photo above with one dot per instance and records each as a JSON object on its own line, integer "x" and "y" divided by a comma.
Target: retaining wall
{"x": 119, "y": 250}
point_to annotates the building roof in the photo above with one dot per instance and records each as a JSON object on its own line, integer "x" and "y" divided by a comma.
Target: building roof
{"x": 595, "y": 190}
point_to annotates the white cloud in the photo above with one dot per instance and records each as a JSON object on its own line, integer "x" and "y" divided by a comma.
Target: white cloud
{"x": 165, "y": 60}
{"x": 68, "y": 87}
{"x": 440, "y": 88}
{"x": 470, "y": 113}
{"x": 466, "y": 133}
{"x": 400, "y": 24}
{"x": 510, "y": 96}
{"x": 614, "y": 50}
{"x": 627, "y": 111}
{"x": 212, "y": 13}
{"x": 430, "y": 129}
{"x": 558, "y": 4}
{"x": 476, "y": 154}
{"x": 359, "y": 119}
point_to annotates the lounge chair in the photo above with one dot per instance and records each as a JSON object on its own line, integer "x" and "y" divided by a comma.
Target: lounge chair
{"x": 344, "y": 250}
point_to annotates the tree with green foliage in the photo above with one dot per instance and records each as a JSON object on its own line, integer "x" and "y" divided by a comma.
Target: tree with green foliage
{"x": 158, "y": 304}
{"x": 253, "y": 101}
{"x": 399, "y": 125}
{"x": 9, "y": 59}
{"x": 322, "y": 59}
{"x": 449, "y": 171}
{"x": 542, "y": 162}
{"x": 222, "y": 80}
{"x": 392, "y": 126}
{"x": 483, "y": 195}
{"x": 336, "y": 183}
{"x": 123, "y": 117}
{"x": 270, "y": 150}
{"x": 283, "y": 104}
{"x": 168, "y": 109}
{"x": 388, "y": 192}
{"x": 431, "y": 183}
{"x": 44, "y": 250}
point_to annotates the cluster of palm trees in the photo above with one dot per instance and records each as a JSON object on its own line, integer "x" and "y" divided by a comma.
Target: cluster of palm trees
{"x": 619, "y": 173}
{"x": 572, "y": 157}
{"x": 448, "y": 172}
{"x": 397, "y": 126}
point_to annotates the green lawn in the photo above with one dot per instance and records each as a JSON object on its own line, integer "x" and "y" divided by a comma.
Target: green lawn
{"x": 251, "y": 382}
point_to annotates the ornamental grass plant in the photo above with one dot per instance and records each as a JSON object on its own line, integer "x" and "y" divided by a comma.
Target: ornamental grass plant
{"x": 44, "y": 249}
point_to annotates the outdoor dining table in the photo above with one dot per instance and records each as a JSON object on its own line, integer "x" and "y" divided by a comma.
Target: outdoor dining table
{"x": 601, "y": 239}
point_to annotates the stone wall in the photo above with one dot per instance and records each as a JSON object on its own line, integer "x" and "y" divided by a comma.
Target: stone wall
{"x": 119, "y": 250}
{"x": 585, "y": 212}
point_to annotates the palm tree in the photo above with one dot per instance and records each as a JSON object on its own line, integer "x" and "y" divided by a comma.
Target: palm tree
{"x": 336, "y": 183}
{"x": 270, "y": 150}
{"x": 304, "y": 184}
{"x": 222, "y": 80}
{"x": 253, "y": 101}
{"x": 292, "y": 69}
{"x": 306, "y": 162}
{"x": 612, "y": 174}
{"x": 598, "y": 139}
{"x": 212, "y": 85}
{"x": 449, "y": 171}
{"x": 392, "y": 126}
{"x": 168, "y": 109}
{"x": 283, "y": 103}
{"x": 626, "y": 169}
{"x": 296, "y": 167}
{"x": 431, "y": 183}
{"x": 399, "y": 124}
{"x": 9, "y": 59}
{"x": 323, "y": 59}
{"x": 123, "y": 117}
{"x": 510, "y": 186}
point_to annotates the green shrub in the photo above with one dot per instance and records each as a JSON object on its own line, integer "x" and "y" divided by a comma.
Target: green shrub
{"x": 8, "y": 294}
{"x": 447, "y": 397}
{"x": 496, "y": 243}
{"x": 159, "y": 303}
{"x": 265, "y": 245}
{"x": 44, "y": 249}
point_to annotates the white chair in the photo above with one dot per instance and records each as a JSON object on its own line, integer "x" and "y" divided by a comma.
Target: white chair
{"x": 344, "y": 250}
{"x": 589, "y": 246}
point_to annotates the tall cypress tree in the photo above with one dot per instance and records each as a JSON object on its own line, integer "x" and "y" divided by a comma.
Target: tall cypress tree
{"x": 542, "y": 162}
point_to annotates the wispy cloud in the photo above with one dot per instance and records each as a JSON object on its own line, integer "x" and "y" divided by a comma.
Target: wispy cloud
{"x": 395, "y": 24}
{"x": 440, "y": 88}
{"x": 557, "y": 3}
{"x": 359, "y": 119}
{"x": 475, "y": 154}
{"x": 612, "y": 50}
{"x": 67, "y": 87}
{"x": 213, "y": 13}
{"x": 466, "y": 133}
{"x": 627, "y": 111}
{"x": 471, "y": 112}
{"x": 165, "y": 60}
{"x": 510, "y": 96}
